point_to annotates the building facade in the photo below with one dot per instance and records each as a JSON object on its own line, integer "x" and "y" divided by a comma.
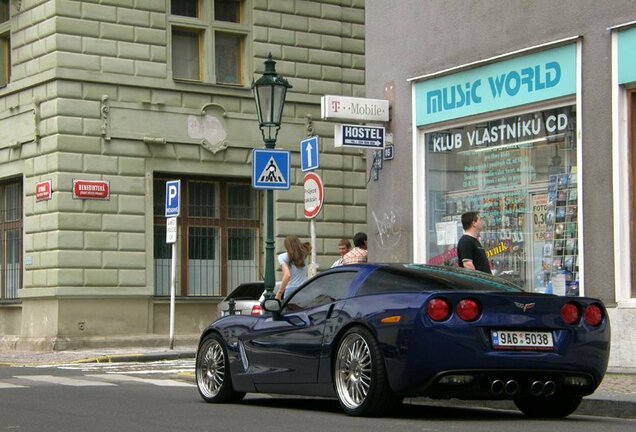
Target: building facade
{"x": 524, "y": 112}
{"x": 102, "y": 102}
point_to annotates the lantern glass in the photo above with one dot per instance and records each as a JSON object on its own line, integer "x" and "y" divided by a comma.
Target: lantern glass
{"x": 270, "y": 91}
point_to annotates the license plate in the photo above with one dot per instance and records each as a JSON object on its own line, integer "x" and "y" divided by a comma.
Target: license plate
{"x": 507, "y": 339}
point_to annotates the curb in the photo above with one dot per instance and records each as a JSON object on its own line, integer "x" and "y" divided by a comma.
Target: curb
{"x": 105, "y": 358}
{"x": 147, "y": 357}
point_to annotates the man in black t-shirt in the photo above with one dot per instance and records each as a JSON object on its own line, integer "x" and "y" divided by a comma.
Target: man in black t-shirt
{"x": 470, "y": 253}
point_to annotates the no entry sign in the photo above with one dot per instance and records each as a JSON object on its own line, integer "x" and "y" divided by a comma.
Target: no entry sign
{"x": 314, "y": 194}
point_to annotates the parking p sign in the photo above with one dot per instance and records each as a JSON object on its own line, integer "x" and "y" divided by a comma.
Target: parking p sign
{"x": 173, "y": 189}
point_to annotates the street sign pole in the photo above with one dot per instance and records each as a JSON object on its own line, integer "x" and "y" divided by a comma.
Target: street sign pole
{"x": 173, "y": 284}
{"x": 173, "y": 190}
{"x": 313, "y": 266}
{"x": 314, "y": 197}
{"x": 171, "y": 237}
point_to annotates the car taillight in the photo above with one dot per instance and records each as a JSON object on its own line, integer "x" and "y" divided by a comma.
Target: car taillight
{"x": 467, "y": 309}
{"x": 438, "y": 309}
{"x": 257, "y": 310}
{"x": 593, "y": 315}
{"x": 570, "y": 313}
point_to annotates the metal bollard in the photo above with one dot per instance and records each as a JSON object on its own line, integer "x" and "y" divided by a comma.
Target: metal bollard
{"x": 232, "y": 307}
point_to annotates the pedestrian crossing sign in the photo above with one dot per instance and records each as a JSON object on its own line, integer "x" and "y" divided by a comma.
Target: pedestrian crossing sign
{"x": 270, "y": 169}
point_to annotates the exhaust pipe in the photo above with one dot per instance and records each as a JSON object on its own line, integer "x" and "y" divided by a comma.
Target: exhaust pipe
{"x": 550, "y": 388}
{"x": 536, "y": 388}
{"x": 512, "y": 387}
{"x": 497, "y": 387}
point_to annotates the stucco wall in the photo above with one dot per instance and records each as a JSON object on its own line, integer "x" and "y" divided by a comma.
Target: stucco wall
{"x": 92, "y": 93}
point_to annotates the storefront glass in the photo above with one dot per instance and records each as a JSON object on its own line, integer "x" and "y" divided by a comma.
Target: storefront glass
{"x": 520, "y": 174}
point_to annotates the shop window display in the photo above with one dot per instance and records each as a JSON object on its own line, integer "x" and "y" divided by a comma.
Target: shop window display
{"x": 520, "y": 174}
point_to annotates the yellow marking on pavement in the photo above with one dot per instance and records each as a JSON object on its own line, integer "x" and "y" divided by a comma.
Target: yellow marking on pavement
{"x": 107, "y": 358}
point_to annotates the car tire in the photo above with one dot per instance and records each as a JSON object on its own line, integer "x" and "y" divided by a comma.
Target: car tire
{"x": 556, "y": 406}
{"x": 360, "y": 377}
{"x": 213, "y": 377}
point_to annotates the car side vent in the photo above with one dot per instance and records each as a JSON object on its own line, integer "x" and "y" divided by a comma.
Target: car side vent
{"x": 244, "y": 361}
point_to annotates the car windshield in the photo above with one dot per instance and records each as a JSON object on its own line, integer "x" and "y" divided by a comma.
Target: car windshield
{"x": 417, "y": 278}
{"x": 248, "y": 291}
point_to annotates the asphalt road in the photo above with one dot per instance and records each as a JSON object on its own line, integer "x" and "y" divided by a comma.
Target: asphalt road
{"x": 160, "y": 397}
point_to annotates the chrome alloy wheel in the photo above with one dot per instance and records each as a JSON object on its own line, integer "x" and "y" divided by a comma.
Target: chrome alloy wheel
{"x": 211, "y": 369}
{"x": 353, "y": 371}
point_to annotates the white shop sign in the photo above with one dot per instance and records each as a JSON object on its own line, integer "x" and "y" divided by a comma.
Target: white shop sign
{"x": 352, "y": 108}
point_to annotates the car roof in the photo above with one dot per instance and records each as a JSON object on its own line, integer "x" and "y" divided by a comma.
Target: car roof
{"x": 445, "y": 274}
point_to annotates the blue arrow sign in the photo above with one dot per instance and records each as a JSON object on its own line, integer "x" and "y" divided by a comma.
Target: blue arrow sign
{"x": 359, "y": 136}
{"x": 270, "y": 169}
{"x": 173, "y": 189}
{"x": 309, "y": 154}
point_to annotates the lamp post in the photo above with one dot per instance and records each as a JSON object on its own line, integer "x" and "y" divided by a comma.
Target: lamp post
{"x": 269, "y": 93}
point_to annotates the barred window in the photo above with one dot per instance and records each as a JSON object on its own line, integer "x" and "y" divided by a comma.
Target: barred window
{"x": 218, "y": 232}
{"x": 11, "y": 237}
{"x": 240, "y": 201}
{"x": 217, "y": 27}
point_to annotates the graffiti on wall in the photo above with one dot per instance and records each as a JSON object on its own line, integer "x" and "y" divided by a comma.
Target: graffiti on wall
{"x": 389, "y": 229}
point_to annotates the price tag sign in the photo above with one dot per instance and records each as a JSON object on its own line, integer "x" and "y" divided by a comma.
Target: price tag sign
{"x": 539, "y": 210}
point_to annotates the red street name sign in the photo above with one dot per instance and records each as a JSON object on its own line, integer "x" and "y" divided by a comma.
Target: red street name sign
{"x": 91, "y": 189}
{"x": 43, "y": 191}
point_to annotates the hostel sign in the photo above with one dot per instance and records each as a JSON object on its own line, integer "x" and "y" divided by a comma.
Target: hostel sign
{"x": 358, "y": 136}
{"x": 519, "y": 81}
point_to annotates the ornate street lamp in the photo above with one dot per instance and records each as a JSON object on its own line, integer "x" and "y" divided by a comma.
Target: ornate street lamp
{"x": 269, "y": 92}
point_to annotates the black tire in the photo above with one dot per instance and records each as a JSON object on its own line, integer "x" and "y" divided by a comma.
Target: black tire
{"x": 212, "y": 368}
{"x": 360, "y": 377}
{"x": 557, "y": 406}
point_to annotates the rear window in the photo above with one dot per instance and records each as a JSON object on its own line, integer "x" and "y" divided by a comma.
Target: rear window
{"x": 428, "y": 278}
{"x": 249, "y": 291}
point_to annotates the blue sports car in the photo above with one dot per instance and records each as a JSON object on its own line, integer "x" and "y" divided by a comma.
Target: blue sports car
{"x": 373, "y": 334}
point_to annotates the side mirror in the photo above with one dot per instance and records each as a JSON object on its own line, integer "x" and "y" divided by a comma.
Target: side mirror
{"x": 272, "y": 305}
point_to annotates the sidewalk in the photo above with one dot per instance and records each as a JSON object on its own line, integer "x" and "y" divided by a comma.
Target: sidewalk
{"x": 616, "y": 397}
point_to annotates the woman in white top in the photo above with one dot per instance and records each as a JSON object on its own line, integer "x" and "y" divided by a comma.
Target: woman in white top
{"x": 292, "y": 263}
